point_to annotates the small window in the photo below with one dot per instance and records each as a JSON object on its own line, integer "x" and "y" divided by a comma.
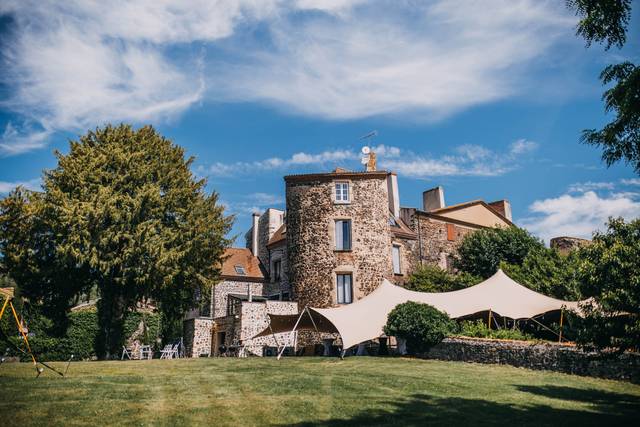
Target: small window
{"x": 277, "y": 266}
{"x": 343, "y": 235}
{"x": 342, "y": 192}
{"x": 240, "y": 270}
{"x": 395, "y": 252}
{"x": 344, "y": 288}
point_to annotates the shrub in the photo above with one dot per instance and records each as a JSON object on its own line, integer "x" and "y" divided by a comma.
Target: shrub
{"x": 421, "y": 325}
{"x": 434, "y": 279}
{"x": 481, "y": 252}
{"x": 479, "y": 329}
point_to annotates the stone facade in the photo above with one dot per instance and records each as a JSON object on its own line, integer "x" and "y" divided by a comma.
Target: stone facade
{"x": 547, "y": 356}
{"x": 197, "y": 336}
{"x": 313, "y": 258}
{"x": 566, "y": 244}
{"x": 438, "y": 239}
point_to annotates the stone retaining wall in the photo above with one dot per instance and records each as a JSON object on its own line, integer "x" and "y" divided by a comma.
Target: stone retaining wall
{"x": 548, "y": 356}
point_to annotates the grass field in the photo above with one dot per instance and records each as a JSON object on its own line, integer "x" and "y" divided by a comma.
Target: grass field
{"x": 309, "y": 391}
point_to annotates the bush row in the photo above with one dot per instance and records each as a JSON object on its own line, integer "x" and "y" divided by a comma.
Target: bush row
{"x": 80, "y": 337}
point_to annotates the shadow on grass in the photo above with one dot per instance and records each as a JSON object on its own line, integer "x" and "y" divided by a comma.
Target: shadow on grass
{"x": 423, "y": 409}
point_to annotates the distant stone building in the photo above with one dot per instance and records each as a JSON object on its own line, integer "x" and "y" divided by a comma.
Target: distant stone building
{"x": 343, "y": 232}
{"x": 566, "y": 244}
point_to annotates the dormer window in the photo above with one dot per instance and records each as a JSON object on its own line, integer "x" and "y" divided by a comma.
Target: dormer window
{"x": 342, "y": 192}
{"x": 240, "y": 270}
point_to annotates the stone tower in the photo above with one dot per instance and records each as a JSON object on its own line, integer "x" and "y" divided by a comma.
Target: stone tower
{"x": 325, "y": 254}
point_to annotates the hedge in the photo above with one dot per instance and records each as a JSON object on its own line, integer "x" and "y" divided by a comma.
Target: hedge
{"x": 80, "y": 336}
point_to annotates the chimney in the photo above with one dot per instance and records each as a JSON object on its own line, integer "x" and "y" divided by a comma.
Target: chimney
{"x": 433, "y": 199}
{"x": 394, "y": 196}
{"x": 503, "y": 207}
{"x": 254, "y": 234}
{"x": 371, "y": 163}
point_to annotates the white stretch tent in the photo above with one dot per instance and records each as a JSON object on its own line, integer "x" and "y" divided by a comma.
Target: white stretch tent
{"x": 364, "y": 319}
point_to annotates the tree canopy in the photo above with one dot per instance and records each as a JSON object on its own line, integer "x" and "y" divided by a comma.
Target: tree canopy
{"x": 481, "y": 252}
{"x": 609, "y": 274}
{"x": 606, "y": 21}
{"x": 430, "y": 278}
{"x": 122, "y": 211}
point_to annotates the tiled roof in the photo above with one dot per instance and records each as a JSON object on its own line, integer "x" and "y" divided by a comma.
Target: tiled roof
{"x": 241, "y": 264}
{"x": 402, "y": 229}
{"x": 278, "y": 236}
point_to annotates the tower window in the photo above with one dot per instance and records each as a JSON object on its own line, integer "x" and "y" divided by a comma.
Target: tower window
{"x": 395, "y": 252}
{"x": 342, "y": 192}
{"x": 343, "y": 235}
{"x": 344, "y": 287}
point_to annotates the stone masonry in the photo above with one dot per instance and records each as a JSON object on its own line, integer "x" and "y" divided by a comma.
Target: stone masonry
{"x": 547, "y": 356}
{"x": 312, "y": 212}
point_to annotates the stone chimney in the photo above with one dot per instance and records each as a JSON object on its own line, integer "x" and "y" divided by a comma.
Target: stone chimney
{"x": 394, "y": 195}
{"x": 503, "y": 207}
{"x": 254, "y": 234}
{"x": 433, "y": 199}
{"x": 372, "y": 164}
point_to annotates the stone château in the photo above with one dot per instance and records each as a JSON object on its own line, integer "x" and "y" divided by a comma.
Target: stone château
{"x": 342, "y": 233}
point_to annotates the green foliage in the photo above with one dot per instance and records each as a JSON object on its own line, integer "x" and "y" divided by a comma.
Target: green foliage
{"x": 602, "y": 20}
{"x": 429, "y": 278}
{"x": 548, "y": 272}
{"x": 80, "y": 338}
{"x": 123, "y": 212}
{"x": 620, "y": 139}
{"x": 479, "y": 329}
{"x": 480, "y": 253}
{"x": 607, "y": 21}
{"x": 422, "y": 325}
{"x": 610, "y": 274}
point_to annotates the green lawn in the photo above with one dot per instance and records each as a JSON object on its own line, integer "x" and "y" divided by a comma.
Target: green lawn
{"x": 309, "y": 391}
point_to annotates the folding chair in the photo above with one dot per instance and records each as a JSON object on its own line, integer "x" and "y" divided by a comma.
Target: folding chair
{"x": 166, "y": 352}
{"x": 125, "y": 352}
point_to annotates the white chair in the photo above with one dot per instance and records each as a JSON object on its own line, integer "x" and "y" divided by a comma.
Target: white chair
{"x": 125, "y": 352}
{"x": 166, "y": 352}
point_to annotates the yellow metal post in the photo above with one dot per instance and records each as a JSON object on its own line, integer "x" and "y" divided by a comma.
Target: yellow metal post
{"x": 26, "y": 340}
{"x": 561, "y": 318}
{"x": 4, "y": 306}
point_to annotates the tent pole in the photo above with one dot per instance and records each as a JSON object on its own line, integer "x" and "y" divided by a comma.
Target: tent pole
{"x": 489, "y": 321}
{"x": 561, "y": 318}
{"x": 292, "y": 332}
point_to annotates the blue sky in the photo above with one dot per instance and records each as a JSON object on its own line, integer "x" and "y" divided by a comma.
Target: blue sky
{"x": 484, "y": 98}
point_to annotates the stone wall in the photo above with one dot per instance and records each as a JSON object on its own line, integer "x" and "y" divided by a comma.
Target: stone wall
{"x": 547, "y": 356}
{"x": 566, "y": 244}
{"x": 433, "y": 240}
{"x": 311, "y": 215}
{"x": 197, "y": 336}
{"x": 254, "y": 320}
{"x": 268, "y": 224}
{"x": 226, "y": 287}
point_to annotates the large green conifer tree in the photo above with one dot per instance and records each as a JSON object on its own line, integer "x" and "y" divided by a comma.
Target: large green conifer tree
{"x": 123, "y": 212}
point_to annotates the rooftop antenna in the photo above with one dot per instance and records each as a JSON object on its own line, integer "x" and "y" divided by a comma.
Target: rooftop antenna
{"x": 368, "y": 156}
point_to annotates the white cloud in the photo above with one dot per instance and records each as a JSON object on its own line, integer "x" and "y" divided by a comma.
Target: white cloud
{"x": 578, "y": 215}
{"x": 298, "y": 159}
{"x": 32, "y": 184}
{"x": 255, "y": 202}
{"x": 582, "y": 187}
{"x": 469, "y": 160}
{"x": 15, "y": 141}
{"x": 74, "y": 65}
{"x": 630, "y": 181}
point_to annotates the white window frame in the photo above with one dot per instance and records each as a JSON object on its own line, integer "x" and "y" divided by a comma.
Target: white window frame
{"x": 339, "y": 234}
{"x": 396, "y": 260}
{"x": 339, "y": 188}
{"x": 344, "y": 290}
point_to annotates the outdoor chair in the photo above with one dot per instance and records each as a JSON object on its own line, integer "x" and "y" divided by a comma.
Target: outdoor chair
{"x": 126, "y": 352}
{"x": 146, "y": 352}
{"x": 166, "y": 352}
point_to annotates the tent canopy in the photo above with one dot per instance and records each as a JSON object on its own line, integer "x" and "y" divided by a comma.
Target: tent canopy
{"x": 364, "y": 319}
